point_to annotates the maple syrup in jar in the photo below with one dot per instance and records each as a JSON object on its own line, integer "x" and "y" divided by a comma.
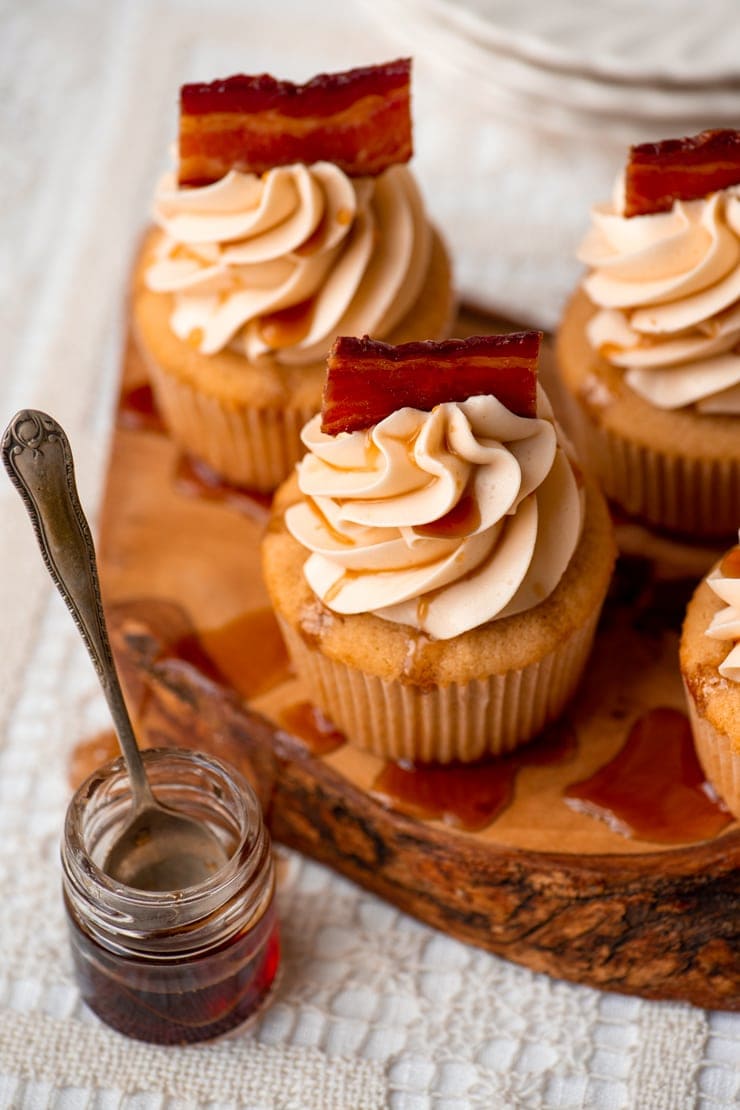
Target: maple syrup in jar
{"x": 173, "y": 966}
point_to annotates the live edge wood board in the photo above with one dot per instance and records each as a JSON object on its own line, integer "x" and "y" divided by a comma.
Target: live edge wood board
{"x": 542, "y": 884}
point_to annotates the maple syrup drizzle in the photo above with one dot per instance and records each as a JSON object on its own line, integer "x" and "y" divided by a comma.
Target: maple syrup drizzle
{"x": 315, "y": 240}
{"x": 194, "y": 478}
{"x": 462, "y": 520}
{"x": 137, "y": 410}
{"x": 307, "y": 723}
{"x": 249, "y": 652}
{"x": 181, "y": 253}
{"x": 414, "y": 654}
{"x": 654, "y": 788}
{"x": 467, "y": 795}
{"x": 344, "y": 579}
{"x": 422, "y": 612}
{"x": 325, "y": 523}
{"x": 90, "y": 753}
{"x": 371, "y": 450}
{"x": 729, "y": 567}
{"x": 288, "y": 326}
{"x": 246, "y": 655}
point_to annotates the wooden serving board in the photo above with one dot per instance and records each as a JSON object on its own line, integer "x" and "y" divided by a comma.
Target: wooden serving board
{"x": 499, "y": 856}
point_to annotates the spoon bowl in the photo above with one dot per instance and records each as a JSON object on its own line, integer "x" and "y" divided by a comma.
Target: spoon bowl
{"x": 158, "y": 847}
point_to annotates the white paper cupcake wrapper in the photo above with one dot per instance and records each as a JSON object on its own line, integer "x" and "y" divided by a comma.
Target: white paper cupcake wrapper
{"x": 720, "y": 762}
{"x": 401, "y": 721}
{"x": 690, "y": 496}
{"x": 249, "y": 446}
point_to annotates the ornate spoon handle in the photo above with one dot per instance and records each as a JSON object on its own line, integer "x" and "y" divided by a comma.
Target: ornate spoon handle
{"x": 37, "y": 456}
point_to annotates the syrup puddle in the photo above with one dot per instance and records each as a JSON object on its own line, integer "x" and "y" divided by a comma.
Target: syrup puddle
{"x": 467, "y": 795}
{"x": 248, "y": 653}
{"x": 91, "y": 753}
{"x": 138, "y": 410}
{"x": 308, "y": 724}
{"x": 654, "y": 788}
{"x": 194, "y": 479}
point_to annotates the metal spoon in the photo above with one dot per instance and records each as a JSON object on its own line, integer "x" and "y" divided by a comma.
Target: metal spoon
{"x": 158, "y": 848}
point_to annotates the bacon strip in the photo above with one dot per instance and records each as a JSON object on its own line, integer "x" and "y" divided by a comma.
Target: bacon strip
{"x": 359, "y": 119}
{"x": 680, "y": 169}
{"x": 368, "y": 380}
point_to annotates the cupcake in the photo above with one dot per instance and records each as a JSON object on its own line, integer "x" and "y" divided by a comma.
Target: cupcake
{"x": 649, "y": 347}
{"x": 710, "y": 667}
{"x": 438, "y": 562}
{"x": 293, "y": 218}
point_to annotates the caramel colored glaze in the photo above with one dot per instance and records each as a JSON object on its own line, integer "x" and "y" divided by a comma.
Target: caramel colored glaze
{"x": 467, "y": 795}
{"x": 194, "y": 479}
{"x": 654, "y": 788}
{"x": 246, "y": 655}
{"x": 249, "y": 653}
{"x": 189, "y": 649}
{"x": 138, "y": 410}
{"x": 314, "y": 241}
{"x": 90, "y": 753}
{"x": 307, "y": 723}
{"x": 288, "y": 326}
{"x": 730, "y": 565}
{"x": 417, "y": 666}
{"x": 463, "y": 519}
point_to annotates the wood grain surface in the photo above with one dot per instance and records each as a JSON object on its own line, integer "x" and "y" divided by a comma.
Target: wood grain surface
{"x": 544, "y": 884}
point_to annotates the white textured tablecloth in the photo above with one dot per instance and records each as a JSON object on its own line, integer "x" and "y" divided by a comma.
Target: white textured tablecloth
{"x": 373, "y": 1009}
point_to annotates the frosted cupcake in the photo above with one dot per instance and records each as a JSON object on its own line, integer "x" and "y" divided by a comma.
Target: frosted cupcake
{"x": 438, "y": 565}
{"x": 293, "y": 218}
{"x": 710, "y": 665}
{"x": 649, "y": 347}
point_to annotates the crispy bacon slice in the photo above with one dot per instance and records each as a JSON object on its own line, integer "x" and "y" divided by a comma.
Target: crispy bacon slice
{"x": 359, "y": 119}
{"x": 680, "y": 169}
{"x": 368, "y": 380}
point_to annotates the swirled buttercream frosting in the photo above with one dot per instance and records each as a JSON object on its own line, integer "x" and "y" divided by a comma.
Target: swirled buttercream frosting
{"x": 441, "y": 520}
{"x": 279, "y": 264}
{"x": 667, "y": 288}
{"x": 724, "y": 580}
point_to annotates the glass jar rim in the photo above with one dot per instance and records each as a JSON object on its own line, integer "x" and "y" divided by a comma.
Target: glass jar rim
{"x": 81, "y": 868}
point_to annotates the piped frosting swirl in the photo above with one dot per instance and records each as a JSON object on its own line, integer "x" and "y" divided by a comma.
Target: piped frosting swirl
{"x": 279, "y": 264}
{"x": 724, "y": 580}
{"x": 667, "y": 287}
{"x": 440, "y": 520}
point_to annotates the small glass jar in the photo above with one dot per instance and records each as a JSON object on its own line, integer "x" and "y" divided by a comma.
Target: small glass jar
{"x": 172, "y": 967}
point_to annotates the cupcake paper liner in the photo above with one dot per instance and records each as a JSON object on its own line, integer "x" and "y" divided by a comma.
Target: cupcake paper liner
{"x": 460, "y": 722}
{"x": 720, "y": 761}
{"x": 248, "y": 446}
{"x": 686, "y": 495}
